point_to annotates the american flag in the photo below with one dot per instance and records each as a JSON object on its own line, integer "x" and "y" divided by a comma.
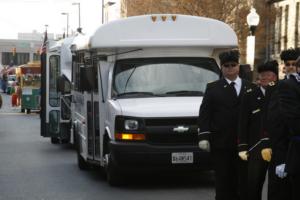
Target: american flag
{"x": 44, "y": 45}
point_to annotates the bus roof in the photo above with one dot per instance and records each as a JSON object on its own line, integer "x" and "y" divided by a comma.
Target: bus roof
{"x": 168, "y": 30}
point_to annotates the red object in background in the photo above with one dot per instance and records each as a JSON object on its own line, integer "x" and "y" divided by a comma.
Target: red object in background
{"x": 14, "y": 99}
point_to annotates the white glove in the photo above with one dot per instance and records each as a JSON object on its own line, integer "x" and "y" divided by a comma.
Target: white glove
{"x": 204, "y": 145}
{"x": 243, "y": 155}
{"x": 280, "y": 171}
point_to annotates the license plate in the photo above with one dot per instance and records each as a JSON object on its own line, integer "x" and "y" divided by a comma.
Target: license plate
{"x": 182, "y": 158}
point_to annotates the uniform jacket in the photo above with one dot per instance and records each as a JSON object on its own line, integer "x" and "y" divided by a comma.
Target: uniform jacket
{"x": 274, "y": 127}
{"x": 250, "y": 129}
{"x": 218, "y": 115}
{"x": 289, "y": 96}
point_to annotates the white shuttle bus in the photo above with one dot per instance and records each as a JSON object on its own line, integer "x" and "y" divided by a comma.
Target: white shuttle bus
{"x": 137, "y": 88}
{"x": 56, "y": 105}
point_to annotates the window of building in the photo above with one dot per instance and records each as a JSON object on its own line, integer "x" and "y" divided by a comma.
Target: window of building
{"x": 20, "y": 58}
{"x": 286, "y": 21}
{"x": 36, "y": 56}
{"x": 7, "y": 58}
{"x": 273, "y": 38}
{"x": 297, "y": 25}
{"x": 279, "y": 27}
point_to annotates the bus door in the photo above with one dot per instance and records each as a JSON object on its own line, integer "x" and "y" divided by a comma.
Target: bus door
{"x": 93, "y": 128}
{"x": 50, "y": 98}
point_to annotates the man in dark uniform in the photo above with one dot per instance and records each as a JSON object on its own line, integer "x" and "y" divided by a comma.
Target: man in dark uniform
{"x": 276, "y": 140}
{"x": 289, "y": 98}
{"x": 218, "y": 122}
{"x": 250, "y": 129}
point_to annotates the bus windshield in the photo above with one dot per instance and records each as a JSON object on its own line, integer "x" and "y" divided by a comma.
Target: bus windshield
{"x": 163, "y": 77}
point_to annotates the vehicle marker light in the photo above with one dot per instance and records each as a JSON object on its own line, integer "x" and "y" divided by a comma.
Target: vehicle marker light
{"x": 164, "y": 17}
{"x": 153, "y": 18}
{"x": 130, "y": 136}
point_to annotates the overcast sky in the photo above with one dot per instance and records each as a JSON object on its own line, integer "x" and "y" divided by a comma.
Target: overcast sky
{"x": 28, "y": 15}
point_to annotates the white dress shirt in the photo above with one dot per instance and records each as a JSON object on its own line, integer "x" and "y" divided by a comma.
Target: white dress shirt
{"x": 237, "y": 84}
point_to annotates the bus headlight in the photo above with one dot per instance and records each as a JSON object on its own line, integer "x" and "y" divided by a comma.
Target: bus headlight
{"x": 129, "y": 129}
{"x": 131, "y": 124}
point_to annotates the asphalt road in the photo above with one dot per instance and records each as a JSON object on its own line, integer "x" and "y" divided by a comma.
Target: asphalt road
{"x": 31, "y": 168}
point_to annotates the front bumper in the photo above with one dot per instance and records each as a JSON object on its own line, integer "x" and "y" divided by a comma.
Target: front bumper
{"x": 137, "y": 155}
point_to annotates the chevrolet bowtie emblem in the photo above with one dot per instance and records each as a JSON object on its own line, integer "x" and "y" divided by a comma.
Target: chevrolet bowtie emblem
{"x": 180, "y": 129}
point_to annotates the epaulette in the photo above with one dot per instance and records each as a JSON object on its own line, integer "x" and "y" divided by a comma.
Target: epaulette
{"x": 272, "y": 83}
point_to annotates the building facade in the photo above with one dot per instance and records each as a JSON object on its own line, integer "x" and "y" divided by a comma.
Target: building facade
{"x": 23, "y": 50}
{"x": 287, "y": 26}
{"x": 17, "y": 52}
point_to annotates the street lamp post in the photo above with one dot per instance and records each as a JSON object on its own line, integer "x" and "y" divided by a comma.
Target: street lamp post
{"x": 253, "y": 21}
{"x": 67, "y": 14}
{"x": 105, "y": 5}
{"x": 79, "y": 29}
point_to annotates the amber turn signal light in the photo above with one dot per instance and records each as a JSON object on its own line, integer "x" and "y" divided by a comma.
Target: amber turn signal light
{"x": 130, "y": 136}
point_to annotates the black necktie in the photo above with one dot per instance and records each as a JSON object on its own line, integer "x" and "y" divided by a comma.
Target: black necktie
{"x": 233, "y": 88}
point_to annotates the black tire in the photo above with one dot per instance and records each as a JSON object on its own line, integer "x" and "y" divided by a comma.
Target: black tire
{"x": 54, "y": 140}
{"x": 113, "y": 176}
{"x": 22, "y": 110}
{"x": 65, "y": 141}
{"x": 82, "y": 164}
{"x": 28, "y": 111}
{"x": 75, "y": 142}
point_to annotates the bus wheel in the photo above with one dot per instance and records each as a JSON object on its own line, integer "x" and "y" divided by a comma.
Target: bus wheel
{"x": 82, "y": 164}
{"x": 28, "y": 111}
{"x": 65, "y": 141}
{"x": 22, "y": 110}
{"x": 54, "y": 140}
{"x": 112, "y": 175}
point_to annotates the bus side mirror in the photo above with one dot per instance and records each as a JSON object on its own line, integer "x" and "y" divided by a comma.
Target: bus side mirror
{"x": 63, "y": 85}
{"x": 87, "y": 78}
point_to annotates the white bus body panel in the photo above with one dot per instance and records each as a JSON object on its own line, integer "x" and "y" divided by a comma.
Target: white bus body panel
{"x": 144, "y": 37}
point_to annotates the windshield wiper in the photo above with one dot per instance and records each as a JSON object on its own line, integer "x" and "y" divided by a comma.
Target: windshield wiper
{"x": 185, "y": 93}
{"x": 136, "y": 94}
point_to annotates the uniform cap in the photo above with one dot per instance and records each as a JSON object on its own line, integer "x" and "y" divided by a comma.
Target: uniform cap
{"x": 290, "y": 54}
{"x": 271, "y": 65}
{"x": 229, "y": 56}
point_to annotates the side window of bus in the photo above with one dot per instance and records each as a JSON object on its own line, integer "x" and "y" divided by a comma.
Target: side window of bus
{"x": 76, "y": 76}
{"x": 54, "y": 69}
{"x": 78, "y": 62}
{"x": 96, "y": 76}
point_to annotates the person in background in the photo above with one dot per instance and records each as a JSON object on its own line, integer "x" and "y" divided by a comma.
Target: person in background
{"x": 18, "y": 92}
{"x": 276, "y": 141}
{"x": 250, "y": 129}
{"x": 298, "y": 65}
{"x": 289, "y": 102}
{"x": 218, "y": 123}
{"x": 1, "y": 101}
